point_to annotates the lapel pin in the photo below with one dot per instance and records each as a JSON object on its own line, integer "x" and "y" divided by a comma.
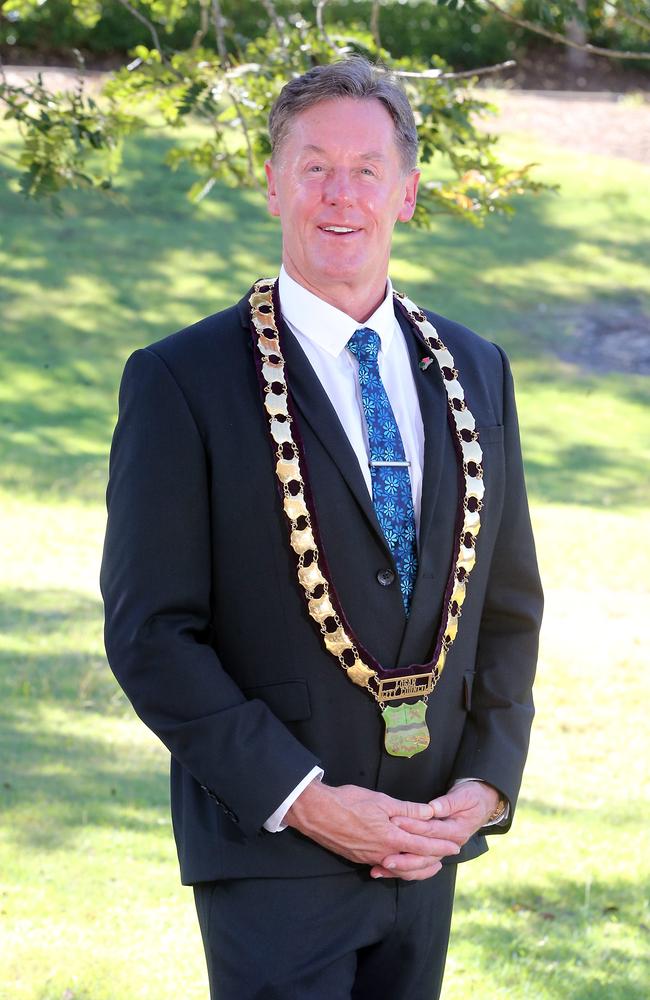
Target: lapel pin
{"x": 425, "y": 362}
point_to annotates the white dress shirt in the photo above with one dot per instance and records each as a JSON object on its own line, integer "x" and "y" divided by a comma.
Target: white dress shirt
{"x": 323, "y": 331}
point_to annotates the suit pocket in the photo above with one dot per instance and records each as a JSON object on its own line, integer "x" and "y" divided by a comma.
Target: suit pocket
{"x": 468, "y": 683}
{"x": 288, "y": 700}
{"x": 490, "y": 435}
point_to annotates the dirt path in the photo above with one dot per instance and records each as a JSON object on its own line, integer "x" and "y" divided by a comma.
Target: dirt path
{"x": 610, "y": 124}
{"x": 613, "y": 124}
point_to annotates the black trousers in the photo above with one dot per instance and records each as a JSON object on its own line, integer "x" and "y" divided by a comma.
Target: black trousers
{"x": 340, "y": 937}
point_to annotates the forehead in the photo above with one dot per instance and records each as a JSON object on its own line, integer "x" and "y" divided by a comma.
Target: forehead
{"x": 345, "y": 125}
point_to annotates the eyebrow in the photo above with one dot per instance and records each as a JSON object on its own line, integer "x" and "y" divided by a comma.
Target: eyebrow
{"x": 372, "y": 154}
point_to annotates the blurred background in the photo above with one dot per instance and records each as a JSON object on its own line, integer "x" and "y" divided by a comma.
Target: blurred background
{"x": 130, "y": 206}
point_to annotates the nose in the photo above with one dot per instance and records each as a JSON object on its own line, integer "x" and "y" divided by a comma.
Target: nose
{"x": 337, "y": 189}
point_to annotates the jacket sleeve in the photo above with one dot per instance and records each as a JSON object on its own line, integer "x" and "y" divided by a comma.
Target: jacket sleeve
{"x": 155, "y": 580}
{"x": 497, "y": 731}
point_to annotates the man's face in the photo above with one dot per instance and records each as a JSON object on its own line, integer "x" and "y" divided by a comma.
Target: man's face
{"x": 338, "y": 186}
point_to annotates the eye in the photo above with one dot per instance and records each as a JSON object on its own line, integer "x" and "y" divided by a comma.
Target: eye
{"x": 315, "y": 169}
{"x": 368, "y": 171}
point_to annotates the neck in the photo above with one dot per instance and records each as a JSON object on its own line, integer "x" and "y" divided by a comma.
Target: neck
{"x": 359, "y": 303}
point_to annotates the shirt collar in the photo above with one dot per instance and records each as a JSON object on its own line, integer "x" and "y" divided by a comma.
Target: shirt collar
{"x": 324, "y": 324}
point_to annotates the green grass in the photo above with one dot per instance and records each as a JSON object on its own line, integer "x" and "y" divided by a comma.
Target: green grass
{"x": 90, "y": 906}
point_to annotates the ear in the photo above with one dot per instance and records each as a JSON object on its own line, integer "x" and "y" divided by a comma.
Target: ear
{"x": 410, "y": 196}
{"x": 271, "y": 192}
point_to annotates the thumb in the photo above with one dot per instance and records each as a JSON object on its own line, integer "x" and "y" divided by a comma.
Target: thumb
{"x": 441, "y": 807}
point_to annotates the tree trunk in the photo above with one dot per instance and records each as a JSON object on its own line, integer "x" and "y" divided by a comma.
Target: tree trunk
{"x": 577, "y": 59}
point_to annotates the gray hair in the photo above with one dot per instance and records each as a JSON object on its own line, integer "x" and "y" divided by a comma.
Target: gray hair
{"x": 353, "y": 77}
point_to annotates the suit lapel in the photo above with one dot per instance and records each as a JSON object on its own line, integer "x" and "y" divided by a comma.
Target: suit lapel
{"x": 433, "y": 408}
{"x": 431, "y": 579}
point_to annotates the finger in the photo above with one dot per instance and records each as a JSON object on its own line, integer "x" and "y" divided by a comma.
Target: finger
{"x": 425, "y": 846}
{"x": 423, "y": 874}
{"x": 438, "y": 848}
{"x": 413, "y": 810}
{"x": 401, "y": 863}
{"x": 378, "y": 871}
{"x": 407, "y": 861}
{"x": 411, "y": 843}
{"x": 442, "y": 829}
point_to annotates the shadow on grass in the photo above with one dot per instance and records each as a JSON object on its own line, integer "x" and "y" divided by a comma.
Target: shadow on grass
{"x": 577, "y": 940}
{"x": 82, "y": 291}
{"x": 53, "y": 649}
{"x": 584, "y": 475}
{"x": 60, "y": 775}
{"x": 65, "y": 757}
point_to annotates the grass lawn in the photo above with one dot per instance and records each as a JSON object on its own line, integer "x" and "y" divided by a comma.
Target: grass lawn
{"x": 90, "y": 906}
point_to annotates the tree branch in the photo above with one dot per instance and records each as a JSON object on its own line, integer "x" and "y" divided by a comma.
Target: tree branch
{"x": 374, "y": 23}
{"x": 555, "y": 36}
{"x": 637, "y": 19}
{"x": 242, "y": 69}
{"x": 147, "y": 23}
{"x": 640, "y": 22}
{"x": 269, "y": 7}
{"x": 320, "y": 7}
{"x": 427, "y": 74}
{"x": 480, "y": 71}
{"x": 277, "y": 22}
{"x": 204, "y": 24}
{"x": 437, "y": 74}
{"x": 250, "y": 156}
{"x": 217, "y": 20}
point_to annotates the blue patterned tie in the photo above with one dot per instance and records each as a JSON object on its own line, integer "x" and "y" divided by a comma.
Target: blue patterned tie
{"x": 391, "y": 483}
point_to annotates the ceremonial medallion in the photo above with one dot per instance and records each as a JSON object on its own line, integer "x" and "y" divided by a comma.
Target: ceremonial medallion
{"x": 406, "y": 731}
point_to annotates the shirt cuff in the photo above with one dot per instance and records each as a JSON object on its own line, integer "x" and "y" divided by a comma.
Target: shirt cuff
{"x": 274, "y": 823}
{"x": 493, "y": 822}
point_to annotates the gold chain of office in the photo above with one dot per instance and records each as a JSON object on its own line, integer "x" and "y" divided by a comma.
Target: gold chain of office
{"x": 318, "y": 590}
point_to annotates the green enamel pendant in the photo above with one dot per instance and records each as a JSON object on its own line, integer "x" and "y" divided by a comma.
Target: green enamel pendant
{"x": 406, "y": 730}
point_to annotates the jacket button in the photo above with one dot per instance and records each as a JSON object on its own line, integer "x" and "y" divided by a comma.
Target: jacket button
{"x": 385, "y": 577}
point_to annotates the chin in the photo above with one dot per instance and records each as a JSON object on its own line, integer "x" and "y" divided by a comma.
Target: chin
{"x": 339, "y": 270}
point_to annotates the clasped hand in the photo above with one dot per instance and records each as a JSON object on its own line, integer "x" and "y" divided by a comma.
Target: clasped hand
{"x": 396, "y": 839}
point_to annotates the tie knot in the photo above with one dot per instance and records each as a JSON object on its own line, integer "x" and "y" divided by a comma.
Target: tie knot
{"x": 364, "y": 344}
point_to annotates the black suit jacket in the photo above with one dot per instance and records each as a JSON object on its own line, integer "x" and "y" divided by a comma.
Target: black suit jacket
{"x": 207, "y": 628}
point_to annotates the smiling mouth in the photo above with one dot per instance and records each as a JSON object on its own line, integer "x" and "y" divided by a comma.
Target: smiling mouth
{"x": 339, "y": 230}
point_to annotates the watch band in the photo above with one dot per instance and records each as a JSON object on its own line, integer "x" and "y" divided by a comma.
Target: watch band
{"x": 498, "y": 811}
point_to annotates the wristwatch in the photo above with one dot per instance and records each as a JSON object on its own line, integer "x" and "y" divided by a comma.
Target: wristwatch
{"x": 498, "y": 811}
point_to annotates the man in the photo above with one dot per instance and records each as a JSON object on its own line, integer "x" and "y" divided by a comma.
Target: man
{"x": 320, "y": 581}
